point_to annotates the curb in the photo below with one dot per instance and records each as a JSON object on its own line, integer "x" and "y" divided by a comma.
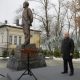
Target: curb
{"x": 60, "y": 59}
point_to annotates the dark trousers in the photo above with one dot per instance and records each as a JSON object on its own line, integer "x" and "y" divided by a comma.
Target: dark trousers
{"x": 66, "y": 62}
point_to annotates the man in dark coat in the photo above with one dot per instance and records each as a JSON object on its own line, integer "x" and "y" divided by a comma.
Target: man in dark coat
{"x": 67, "y": 50}
{"x": 27, "y": 19}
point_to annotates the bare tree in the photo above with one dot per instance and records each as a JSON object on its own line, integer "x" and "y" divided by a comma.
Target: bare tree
{"x": 52, "y": 24}
{"x": 75, "y": 8}
{"x": 61, "y": 12}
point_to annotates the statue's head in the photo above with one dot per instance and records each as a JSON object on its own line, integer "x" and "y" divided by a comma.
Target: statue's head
{"x": 25, "y": 4}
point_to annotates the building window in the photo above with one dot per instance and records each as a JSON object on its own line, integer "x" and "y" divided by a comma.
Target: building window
{"x": 20, "y": 40}
{"x": 31, "y": 35}
{"x": 32, "y": 32}
{"x": 10, "y": 39}
{"x": 15, "y": 40}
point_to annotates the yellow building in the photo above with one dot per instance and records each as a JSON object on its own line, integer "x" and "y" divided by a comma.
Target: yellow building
{"x": 12, "y": 36}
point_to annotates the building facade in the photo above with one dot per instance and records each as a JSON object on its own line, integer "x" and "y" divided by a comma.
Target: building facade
{"x": 13, "y": 36}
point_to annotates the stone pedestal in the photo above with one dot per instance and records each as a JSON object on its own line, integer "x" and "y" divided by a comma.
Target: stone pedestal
{"x": 19, "y": 60}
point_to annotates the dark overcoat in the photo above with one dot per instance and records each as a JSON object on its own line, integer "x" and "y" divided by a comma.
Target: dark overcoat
{"x": 67, "y": 47}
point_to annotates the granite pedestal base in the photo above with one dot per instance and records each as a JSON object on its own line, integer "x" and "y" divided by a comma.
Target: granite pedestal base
{"x": 19, "y": 60}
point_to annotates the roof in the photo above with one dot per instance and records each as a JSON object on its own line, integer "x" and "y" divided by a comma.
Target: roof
{"x": 14, "y": 26}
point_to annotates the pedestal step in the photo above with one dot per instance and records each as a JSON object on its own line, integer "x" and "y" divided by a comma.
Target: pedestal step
{"x": 16, "y": 64}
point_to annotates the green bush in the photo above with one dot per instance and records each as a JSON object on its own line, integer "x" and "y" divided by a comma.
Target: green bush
{"x": 76, "y": 54}
{"x": 47, "y": 53}
{"x": 5, "y": 53}
{"x": 57, "y": 53}
{"x": 13, "y": 52}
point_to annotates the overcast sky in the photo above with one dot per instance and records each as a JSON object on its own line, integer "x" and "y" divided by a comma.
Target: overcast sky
{"x": 8, "y": 9}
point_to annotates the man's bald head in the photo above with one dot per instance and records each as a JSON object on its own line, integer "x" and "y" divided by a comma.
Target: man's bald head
{"x": 66, "y": 34}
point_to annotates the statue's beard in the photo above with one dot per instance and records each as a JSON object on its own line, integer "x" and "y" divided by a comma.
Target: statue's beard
{"x": 25, "y": 6}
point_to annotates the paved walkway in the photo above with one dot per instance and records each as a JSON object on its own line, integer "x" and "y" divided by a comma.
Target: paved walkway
{"x": 51, "y": 72}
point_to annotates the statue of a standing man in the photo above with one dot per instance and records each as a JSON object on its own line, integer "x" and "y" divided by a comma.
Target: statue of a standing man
{"x": 27, "y": 19}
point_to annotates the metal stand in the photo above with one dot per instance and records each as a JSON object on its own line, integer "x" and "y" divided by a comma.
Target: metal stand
{"x": 2, "y": 75}
{"x": 28, "y": 70}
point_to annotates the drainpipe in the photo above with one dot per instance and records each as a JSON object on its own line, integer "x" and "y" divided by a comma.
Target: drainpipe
{"x": 7, "y": 37}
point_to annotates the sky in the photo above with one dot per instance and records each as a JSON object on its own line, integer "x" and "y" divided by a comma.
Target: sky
{"x": 8, "y": 9}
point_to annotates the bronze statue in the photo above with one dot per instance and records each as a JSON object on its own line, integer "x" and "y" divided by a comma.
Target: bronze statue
{"x": 27, "y": 19}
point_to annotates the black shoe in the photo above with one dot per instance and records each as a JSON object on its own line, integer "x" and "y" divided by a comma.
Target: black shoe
{"x": 64, "y": 72}
{"x": 71, "y": 74}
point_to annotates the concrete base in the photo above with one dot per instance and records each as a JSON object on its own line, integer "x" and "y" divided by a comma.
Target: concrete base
{"x": 16, "y": 62}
